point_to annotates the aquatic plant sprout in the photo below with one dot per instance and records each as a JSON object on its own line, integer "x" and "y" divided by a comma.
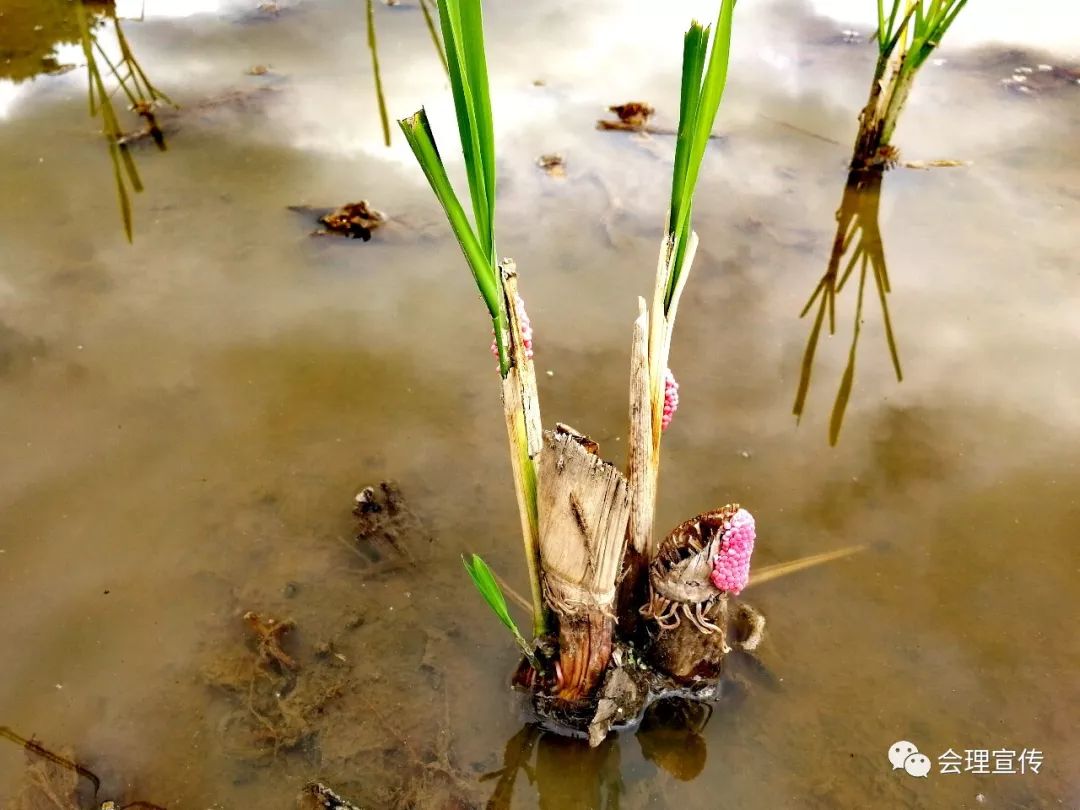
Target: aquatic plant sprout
{"x": 906, "y": 37}
{"x": 701, "y": 90}
{"x": 463, "y": 36}
{"x": 484, "y": 580}
{"x": 579, "y": 577}
{"x": 699, "y": 102}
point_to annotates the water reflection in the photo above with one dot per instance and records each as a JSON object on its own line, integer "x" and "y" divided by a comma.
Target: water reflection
{"x": 107, "y": 76}
{"x": 42, "y": 38}
{"x": 429, "y": 12}
{"x": 856, "y": 246}
{"x": 568, "y": 773}
{"x": 564, "y": 772}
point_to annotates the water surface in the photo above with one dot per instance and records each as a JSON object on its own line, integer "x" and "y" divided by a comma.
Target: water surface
{"x": 187, "y": 418}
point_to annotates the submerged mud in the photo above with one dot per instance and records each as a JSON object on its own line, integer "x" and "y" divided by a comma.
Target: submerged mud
{"x": 313, "y": 690}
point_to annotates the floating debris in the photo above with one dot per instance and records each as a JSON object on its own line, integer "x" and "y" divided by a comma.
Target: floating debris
{"x": 553, "y": 164}
{"x": 935, "y": 164}
{"x": 633, "y": 117}
{"x": 355, "y": 220}
{"x": 1041, "y": 79}
{"x": 257, "y": 70}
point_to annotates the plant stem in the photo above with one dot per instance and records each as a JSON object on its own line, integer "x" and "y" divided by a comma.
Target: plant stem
{"x": 521, "y": 408}
{"x": 374, "y": 47}
{"x": 430, "y": 21}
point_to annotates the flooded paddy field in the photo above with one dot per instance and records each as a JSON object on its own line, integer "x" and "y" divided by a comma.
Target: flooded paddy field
{"x": 187, "y": 418}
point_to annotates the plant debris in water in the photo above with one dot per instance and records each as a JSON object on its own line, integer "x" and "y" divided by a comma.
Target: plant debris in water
{"x": 355, "y": 220}
{"x": 553, "y": 164}
{"x": 299, "y": 688}
{"x": 631, "y": 116}
{"x": 51, "y": 781}
{"x": 1042, "y": 79}
{"x": 317, "y": 796}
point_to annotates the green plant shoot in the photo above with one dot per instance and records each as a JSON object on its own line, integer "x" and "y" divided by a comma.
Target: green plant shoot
{"x": 485, "y": 582}
{"x": 702, "y": 89}
{"x": 463, "y": 38}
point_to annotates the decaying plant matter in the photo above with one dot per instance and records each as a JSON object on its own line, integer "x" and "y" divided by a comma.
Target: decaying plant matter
{"x": 356, "y": 220}
{"x": 632, "y": 116}
{"x": 54, "y": 781}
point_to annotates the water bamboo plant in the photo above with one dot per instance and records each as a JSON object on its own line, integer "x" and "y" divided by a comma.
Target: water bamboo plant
{"x": 905, "y": 37}
{"x": 559, "y": 477}
{"x": 601, "y": 581}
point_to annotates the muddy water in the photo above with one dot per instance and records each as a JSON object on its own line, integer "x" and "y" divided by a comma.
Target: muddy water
{"x": 186, "y": 419}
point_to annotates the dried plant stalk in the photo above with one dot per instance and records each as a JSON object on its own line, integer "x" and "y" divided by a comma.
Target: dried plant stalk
{"x": 584, "y": 507}
{"x": 639, "y": 467}
{"x": 521, "y": 409}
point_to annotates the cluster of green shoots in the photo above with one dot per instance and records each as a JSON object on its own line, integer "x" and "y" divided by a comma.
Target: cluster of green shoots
{"x": 700, "y": 95}
{"x": 905, "y": 38}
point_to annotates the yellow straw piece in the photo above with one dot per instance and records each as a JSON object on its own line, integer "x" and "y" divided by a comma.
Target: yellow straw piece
{"x": 771, "y": 572}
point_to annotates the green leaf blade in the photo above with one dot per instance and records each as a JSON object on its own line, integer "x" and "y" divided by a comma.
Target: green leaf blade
{"x": 698, "y": 110}
{"x": 417, "y": 130}
{"x": 695, "y": 45}
{"x": 457, "y": 38}
{"x": 485, "y": 582}
{"x": 472, "y": 22}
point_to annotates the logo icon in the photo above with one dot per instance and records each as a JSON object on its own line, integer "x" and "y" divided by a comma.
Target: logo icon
{"x": 905, "y": 756}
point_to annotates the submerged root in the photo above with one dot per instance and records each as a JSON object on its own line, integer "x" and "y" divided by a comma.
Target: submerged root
{"x": 51, "y": 781}
{"x": 276, "y": 704}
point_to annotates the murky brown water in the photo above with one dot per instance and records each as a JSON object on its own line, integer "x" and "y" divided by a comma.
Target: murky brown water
{"x": 187, "y": 419}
